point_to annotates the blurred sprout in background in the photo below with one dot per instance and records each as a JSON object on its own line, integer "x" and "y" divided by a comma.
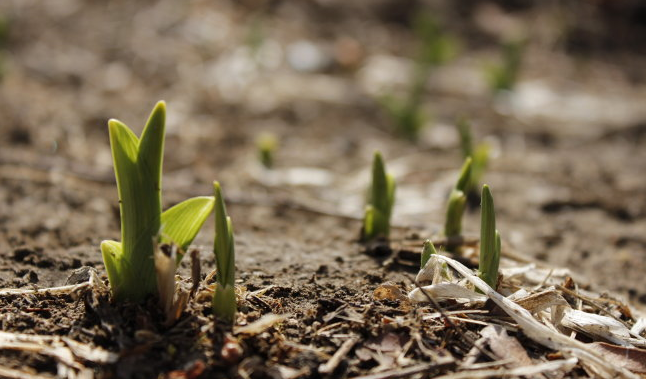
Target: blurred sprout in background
{"x": 503, "y": 75}
{"x": 479, "y": 157}
{"x": 435, "y": 47}
{"x": 266, "y": 145}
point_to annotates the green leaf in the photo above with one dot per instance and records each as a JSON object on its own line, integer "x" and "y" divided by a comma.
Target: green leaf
{"x": 111, "y": 251}
{"x": 427, "y": 250}
{"x": 465, "y": 176}
{"x": 223, "y": 245}
{"x": 489, "y": 240}
{"x": 151, "y": 146}
{"x": 181, "y": 223}
{"x": 380, "y": 202}
{"x": 140, "y": 208}
{"x": 479, "y": 164}
{"x": 466, "y": 141}
{"x": 224, "y": 303}
{"x": 454, "y": 212}
{"x": 457, "y": 202}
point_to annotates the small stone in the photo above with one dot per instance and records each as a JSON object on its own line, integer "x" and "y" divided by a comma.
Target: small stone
{"x": 80, "y": 275}
{"x": 307, "y": 57}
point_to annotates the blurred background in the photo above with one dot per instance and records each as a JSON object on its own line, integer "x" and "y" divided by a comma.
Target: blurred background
{"x": 550, "y": 95}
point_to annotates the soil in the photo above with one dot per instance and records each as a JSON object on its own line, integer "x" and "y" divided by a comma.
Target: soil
{"x": 567, "y": 172}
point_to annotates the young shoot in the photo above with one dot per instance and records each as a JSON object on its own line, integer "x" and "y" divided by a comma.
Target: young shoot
{"x": 490, "y": 245}
{"x": 224, "y": 298}
{"x": 266, "y": 145}
{"x": 458, "y": 202}
{"x": 427, "y": 250}
{"x": 138, "y": 170}
{"x": 503, "y": 76}
{"x": 381, "y": 198}
{"x": 434, "y": 48}
{"x": 479, "y": 157}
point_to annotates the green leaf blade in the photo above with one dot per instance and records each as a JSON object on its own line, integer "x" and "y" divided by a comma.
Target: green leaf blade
{"x": 111, "y": 252}
{"x": 151, "y": 146}
{"x": 489, "y": 258}
{"x": 181, "y": 223}
{"x": 454, "y": 212}
{"x": 224, "y": 301}
{"x": 381, "y": 200}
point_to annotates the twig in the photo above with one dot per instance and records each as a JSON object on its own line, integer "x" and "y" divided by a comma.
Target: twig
{"x": 52, "y": 290}
{"x": 408, "y": 371}
{"x": 10, "y": 373}
{"x": 329, "y": 366}
{"x": 517, "y": 371}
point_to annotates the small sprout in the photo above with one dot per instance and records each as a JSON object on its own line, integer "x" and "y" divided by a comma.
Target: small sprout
{"x": 466, "y": 139}
{"x": 436, "y": 46}
{"x": 427, "y": 250}
{"x": 266, "y": 144}
{"x": 138, "y": 170}
{"x": 457, "y": 202}
{"x": 224, "y": 298}
{"x": 502, "y": 77}
{"x": 405, "y": 114}
{"x": 489, "y": 241}
{"x": 479, "y": 157}
{"x": 376, "y": 223}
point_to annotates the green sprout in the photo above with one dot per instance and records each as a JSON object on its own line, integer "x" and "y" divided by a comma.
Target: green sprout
{"x": 224, "y": 298}
{"x": 266, "y": 144}
{"x": 376, "y": 223}
{"x": 138, "y": 170}
{"x": 479, "y": 156}
{"x": 427, "y": 250}
{"x": 435, "y": 48}
{"x": 503, "y": 77}
{"x": 490, "y": 245}
{"x": 406, "y": 114}
{"x": 458, "y": 202}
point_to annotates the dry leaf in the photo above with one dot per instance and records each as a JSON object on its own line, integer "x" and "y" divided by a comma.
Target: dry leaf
{"x": 445, "y": 291}
{"x": 505, "y": 346}
{"x": 630, "y": 358}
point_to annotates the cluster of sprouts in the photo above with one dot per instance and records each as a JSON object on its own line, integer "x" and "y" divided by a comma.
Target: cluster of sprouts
{"x": 154, "y": 242}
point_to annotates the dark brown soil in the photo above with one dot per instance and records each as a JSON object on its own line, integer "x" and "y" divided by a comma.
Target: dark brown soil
{"x": 568, "y": 175}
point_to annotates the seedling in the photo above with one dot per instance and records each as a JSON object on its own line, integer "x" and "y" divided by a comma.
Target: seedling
{"x": 502, "y": 77}
{"x": 381, "y": 198}
{"x": 427, "y": 250}
{"x": 458, "y": 201}
{"x": 435, "y": 48}
{"x": 138, "y": 170}
{"x": 479, "y": 157}
{"x": 266, "y": 144}
{"x": 224, "y": 298}
{"x": 490, "y": 245}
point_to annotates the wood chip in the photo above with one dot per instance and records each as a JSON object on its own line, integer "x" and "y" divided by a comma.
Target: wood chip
{"x": 260, "y": 325}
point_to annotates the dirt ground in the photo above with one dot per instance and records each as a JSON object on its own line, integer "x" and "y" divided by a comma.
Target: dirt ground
{"x": 567, "y": 172}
